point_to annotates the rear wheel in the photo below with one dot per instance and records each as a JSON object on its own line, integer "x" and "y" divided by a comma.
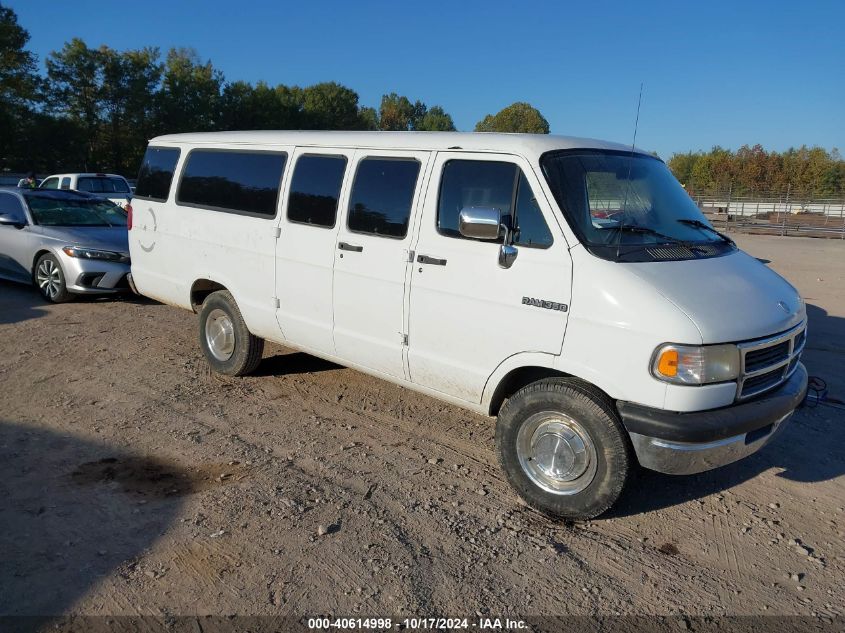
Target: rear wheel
{"x": 563, "y": 448}
{"x": 228, "y": 345}
{"x": 50, "y": 279}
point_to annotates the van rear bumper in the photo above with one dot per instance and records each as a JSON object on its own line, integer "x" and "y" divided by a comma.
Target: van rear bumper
{"x": 686, "y": 443}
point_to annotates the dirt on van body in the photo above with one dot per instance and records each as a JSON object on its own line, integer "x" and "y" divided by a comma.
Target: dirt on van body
{"x": 136, "y": 482}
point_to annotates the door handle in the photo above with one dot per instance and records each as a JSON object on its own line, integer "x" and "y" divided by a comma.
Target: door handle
{"x": 349, "y": 247}
{"x": 434, "y": 261}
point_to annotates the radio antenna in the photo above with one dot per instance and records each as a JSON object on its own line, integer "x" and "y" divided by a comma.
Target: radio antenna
{"x": 630, "y": 161}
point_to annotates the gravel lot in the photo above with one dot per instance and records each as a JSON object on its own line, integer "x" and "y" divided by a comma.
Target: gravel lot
{"x": 136, "y": 482}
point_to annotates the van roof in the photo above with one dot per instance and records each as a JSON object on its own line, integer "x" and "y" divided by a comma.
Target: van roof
{"x": 524, "y": 144}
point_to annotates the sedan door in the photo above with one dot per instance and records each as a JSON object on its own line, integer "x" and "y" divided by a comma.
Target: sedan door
{"x": 17, "y": 243}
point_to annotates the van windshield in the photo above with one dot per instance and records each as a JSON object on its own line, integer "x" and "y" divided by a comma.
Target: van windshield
{"x": 629, "y": 207}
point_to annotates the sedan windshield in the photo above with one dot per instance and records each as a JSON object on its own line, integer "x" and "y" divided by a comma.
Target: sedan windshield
{"x": 51, "y": 211}
{"x": 625, "y": 207}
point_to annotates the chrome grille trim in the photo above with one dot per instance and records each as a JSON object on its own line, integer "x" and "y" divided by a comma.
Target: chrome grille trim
{"x": 796, "y": 337}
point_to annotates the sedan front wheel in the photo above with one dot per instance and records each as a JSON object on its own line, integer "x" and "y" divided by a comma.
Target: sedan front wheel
{"x": 50, "y": 279}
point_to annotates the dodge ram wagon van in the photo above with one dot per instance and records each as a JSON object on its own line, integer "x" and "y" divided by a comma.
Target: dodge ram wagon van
{"x": 568, "y": 287}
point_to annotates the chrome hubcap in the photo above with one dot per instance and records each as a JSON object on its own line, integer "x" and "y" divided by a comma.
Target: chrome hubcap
{"x": 220, "y": 334}
{"x": 49, "y": 278}
{"x": 556, "y": 453}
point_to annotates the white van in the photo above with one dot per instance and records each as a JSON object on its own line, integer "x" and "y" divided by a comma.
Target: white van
{"x": 569, "y": 287}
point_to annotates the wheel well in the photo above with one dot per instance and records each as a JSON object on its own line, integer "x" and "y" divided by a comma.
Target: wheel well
{"x": 516, "y": 380}
{"x": 201, "y": 289}
{"x": 35, "y": 259}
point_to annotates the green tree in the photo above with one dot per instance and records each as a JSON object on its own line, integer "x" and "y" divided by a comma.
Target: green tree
{"x": 19, "y": 85}
{"x": 130, "y": 80}
{"x": 190, "y": 93}
{"x": 397, "y": 113}
{"x": 517, "y": 117}
{"x": 368, "y": 119}
{"x": 330, "y": 106}
{"x": 75, "y": 91}
{"x": 436, "y": 120}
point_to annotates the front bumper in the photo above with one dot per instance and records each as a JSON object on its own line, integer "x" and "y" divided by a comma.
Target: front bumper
{"x": 85, "y": 276}
{"x": 687, "y": 443}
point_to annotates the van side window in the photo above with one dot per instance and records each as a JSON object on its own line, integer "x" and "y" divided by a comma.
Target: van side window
{"x": 50, "y": 183}
{"x": 315, "y": 190}
{"x": 156, "y": 173}
{"x": 232, "y": 181}
{"x": 382, "y": 196}
{"x": 501, "y": 185}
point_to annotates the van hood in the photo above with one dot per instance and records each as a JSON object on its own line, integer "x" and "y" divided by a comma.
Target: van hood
{"x": 106, "y": 238}
{"x": 730, "y": 298}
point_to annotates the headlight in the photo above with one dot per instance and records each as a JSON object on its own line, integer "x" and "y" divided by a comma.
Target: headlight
{"x": 91, "y": 253}
{"x": 695, "y": 365}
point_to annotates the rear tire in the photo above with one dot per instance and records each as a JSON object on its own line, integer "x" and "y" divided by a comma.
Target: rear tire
{"x": 228, "y": 345}
{"x": 563, "y": 448}
{"x": 49, "y": 278}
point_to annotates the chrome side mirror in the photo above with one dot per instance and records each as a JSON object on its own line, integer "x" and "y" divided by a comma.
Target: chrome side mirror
{"x": 480, "y": 223}
{"x": 507, "y": 255}
{"x": 485, "y": 223}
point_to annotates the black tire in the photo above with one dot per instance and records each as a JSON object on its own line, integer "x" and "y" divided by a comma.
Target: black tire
{"x": 594, "y": 414}
{"x": 49, "y": 278}
{"x": 246, "y": 349}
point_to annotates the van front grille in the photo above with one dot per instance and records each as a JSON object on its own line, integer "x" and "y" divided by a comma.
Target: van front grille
{"x": 760, "y": 358}
{"x": 769, "y": 362}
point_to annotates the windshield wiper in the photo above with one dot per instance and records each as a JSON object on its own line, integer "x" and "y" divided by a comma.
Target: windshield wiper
{"x": 703, "y": 225}
{"x": 636, "y": 228}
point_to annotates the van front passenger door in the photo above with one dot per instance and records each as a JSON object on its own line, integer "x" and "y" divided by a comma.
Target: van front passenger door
{"x": 467, "y": 313}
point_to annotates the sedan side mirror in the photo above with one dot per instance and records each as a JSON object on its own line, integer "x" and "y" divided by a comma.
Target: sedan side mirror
{"x": 9, "y": 220}
{"x": 485, "y": 223}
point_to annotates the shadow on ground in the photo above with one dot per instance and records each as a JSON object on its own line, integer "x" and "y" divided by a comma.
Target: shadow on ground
{"x": 293, "y": 363}
{"x": 73, "y": 511}
{"x": 19, "y": 303}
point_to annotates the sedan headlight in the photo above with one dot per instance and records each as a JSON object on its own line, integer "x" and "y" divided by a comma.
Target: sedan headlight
{"x": 695, "y": 364}
{"x": 91, "y": 253}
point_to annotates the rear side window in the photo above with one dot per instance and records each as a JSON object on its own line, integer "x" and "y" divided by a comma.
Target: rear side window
{"x": 238, "y": 182}
{"x": 156, "y": 173}
{"x": 382, "y": 196}
{"x": 315, "y": 190}
{"x": 99, "y": 184}
{"x": 66, "y": 182}
{"x": 500, "y": 185}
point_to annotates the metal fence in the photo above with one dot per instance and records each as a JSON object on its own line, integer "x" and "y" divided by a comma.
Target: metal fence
{"x": 769, "y": 202}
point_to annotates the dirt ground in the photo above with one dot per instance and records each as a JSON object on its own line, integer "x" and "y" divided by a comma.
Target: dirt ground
{"x": 134, "y": 481}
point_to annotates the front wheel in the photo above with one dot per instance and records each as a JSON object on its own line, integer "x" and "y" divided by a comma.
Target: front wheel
{"x": 228, "y": 345}
{"x": 50, "y": 279}
{"x": 563, "y": 448}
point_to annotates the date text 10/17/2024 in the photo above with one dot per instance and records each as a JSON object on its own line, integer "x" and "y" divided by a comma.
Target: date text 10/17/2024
{"x": 416, "y": 624}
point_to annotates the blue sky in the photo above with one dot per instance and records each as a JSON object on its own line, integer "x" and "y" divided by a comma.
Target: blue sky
{"x": 714, "y": 73}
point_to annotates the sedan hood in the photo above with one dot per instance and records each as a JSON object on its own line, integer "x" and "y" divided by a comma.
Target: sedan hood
{"x": 99, "y": 237}
{"x": 730, "y": 298}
